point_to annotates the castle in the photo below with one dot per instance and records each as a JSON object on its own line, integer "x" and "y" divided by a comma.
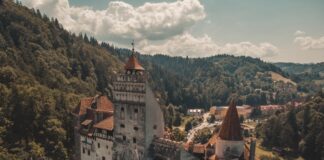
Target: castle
{"x": 131, "y": 127}
{"x": 123, "y": 129}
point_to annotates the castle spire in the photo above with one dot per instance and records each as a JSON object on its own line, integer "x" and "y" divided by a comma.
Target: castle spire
{"x": 231, "y": 128}
{"x": 133, "y": 63}
{"x": 133, "y": 49}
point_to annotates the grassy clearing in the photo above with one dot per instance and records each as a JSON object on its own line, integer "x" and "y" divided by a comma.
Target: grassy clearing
{"x": 278, "y": 77}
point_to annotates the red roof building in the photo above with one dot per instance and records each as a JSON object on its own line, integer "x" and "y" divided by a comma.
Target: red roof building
{"x": 94, "y": 113}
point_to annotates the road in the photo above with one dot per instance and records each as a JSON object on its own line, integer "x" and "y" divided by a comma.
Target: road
{"x": 204, "y": 124}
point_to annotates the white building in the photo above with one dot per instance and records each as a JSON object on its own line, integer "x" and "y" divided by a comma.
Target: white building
{"x": 94, "y": 128}
{"x": 195, "y": 112}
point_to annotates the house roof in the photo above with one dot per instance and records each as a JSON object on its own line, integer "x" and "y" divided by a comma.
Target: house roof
{"x": 133, "y": 64}
{"x": 82, "y": 106}
{"x": 102, "y": 104}
{"x": 231, "y": 128}
{"x": 106, "y": 124}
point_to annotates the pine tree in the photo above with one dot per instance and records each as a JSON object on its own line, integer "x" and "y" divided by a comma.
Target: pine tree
{"x": 294, "y": 135}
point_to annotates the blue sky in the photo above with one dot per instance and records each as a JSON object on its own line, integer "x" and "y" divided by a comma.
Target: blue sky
{"x": 276, "y": 30}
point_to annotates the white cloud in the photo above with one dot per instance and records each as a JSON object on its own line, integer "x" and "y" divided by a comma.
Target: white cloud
{"x": 299, "y": 33}
{"x": 308, "y": 42}
{"x": 158, "y": 27}
{"x": 120, "y": 20}
{"x": 188, "y": 45}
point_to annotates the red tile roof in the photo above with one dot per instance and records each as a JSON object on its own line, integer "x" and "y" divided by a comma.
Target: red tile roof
{"x": 231, "y": 128}
{"x": 82, "y": 106}
{"x": 103, "y": 105}
{"x": 133, "y": 64}
{"x": 106, "y": 124}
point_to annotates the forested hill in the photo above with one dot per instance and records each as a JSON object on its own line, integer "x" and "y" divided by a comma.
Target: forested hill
{"x": 44, "y": 70}
{"x": 310, "y": 77}
{"x": 301, "y": 68}
{"x": 202, "y": 82}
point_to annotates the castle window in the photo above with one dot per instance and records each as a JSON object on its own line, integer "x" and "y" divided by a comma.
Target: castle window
{"x": 135, "y": 113}
{"x": 107, "y": 146}
{"x": 134, "y": 140}
{"x": 135, "y": 128}
{"x": 98, "y": 145}
{"x": 83, "y": 150}
{"x": 122, "y": 126}
{"x": 89, "y": 152}
{"x": 124, "y": 138}
{"x": 154, "y": 127}
{"x": 122, "y": 114}
{"x": 103, "y": 158}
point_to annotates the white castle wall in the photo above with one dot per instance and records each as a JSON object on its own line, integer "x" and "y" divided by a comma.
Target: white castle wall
{"x": 90, "y": 150}
{"x": 235, "y": 147}
{"x": 154, "y": 121}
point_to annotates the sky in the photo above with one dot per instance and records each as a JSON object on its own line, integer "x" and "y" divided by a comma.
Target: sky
{"x": 275, "y": 31}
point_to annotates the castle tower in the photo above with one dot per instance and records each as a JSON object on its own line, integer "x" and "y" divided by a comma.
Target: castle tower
{"x": 138, "y": 117}
{"x": 230, "y": 144}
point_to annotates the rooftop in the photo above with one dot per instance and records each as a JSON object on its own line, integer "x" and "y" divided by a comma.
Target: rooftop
{"x": 133, "y": 64}
{"x": 231, "y": 128}
{"x": 99, "y": 103}
{"x": 106, "y": 124}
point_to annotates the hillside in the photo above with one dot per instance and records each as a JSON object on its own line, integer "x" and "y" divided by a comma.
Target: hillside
{"x": 203, "y": 82}
{"x": 44, "y": 70}
{"x": 310, "y": 77}
{"x": 296, "y": 68}
{"x": 277, "y": 77}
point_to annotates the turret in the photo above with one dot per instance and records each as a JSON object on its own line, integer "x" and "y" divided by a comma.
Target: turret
{"x": 230, "y": 142}
{"x": 132, "y": 65}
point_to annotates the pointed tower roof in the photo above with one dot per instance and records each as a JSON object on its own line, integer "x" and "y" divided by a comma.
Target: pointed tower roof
{"x": 133, "y": 63}
{"x": 231, "y": 128}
